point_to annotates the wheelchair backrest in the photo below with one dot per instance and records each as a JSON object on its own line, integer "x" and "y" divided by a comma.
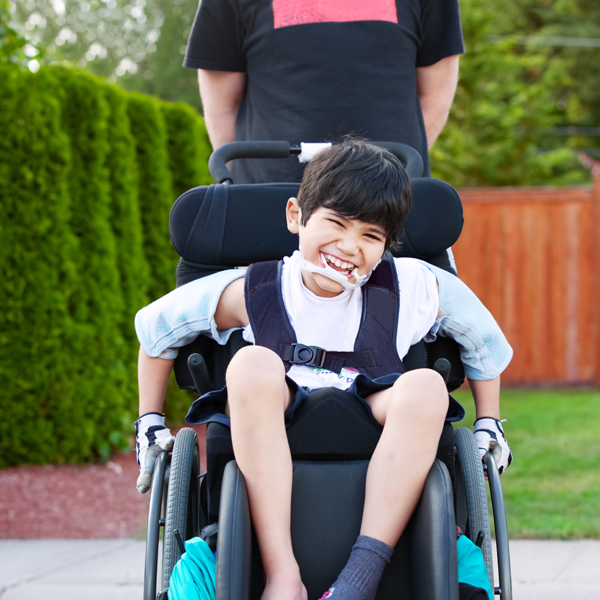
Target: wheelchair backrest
{"x": 227, "y": 225}
{"x": 224, "y": 226}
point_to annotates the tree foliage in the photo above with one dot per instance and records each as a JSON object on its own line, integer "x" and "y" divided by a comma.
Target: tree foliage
{"x": 519, "y": 109}
{"x": 139, "y": 43}
{"x": 36, "y": 267}
{"x": 155, "y": 190}
{"x": 513, "y": 97}
{"x": 83, "y": 167}
{"x": 160, "y": 73}
{"x": 14, "y": 48}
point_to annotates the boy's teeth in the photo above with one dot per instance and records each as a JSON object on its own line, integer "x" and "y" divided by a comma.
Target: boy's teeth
{"x": 338, "y": 263}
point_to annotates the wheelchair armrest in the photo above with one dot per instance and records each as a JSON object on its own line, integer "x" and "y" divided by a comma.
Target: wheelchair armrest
{"x": 199, "y": 372}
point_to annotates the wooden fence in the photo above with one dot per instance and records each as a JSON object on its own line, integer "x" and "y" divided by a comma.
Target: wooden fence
{"x": 533, "y": 257}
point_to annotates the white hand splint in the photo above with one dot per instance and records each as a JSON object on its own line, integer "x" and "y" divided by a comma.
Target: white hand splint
{"x": 341, "y": 278}
{"x": 152, "y": 439}
{"x": 489, "y": 436}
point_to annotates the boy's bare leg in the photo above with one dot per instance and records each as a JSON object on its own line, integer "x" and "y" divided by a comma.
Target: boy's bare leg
{"x": 257, "y": 398}
{"x": 412, "y": 414}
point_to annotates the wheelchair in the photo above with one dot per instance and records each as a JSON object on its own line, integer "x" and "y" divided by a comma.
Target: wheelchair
{"x": 224, "y": 226}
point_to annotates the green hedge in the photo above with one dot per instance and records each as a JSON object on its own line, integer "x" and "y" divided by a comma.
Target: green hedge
{"x": 88, "y": 174}
{"x": 154, "y": 190}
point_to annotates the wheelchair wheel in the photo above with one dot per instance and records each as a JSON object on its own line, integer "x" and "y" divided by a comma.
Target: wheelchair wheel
{"x": 158, "y": 501}
{"x": 182, "y": 509}
{"x": 477, "y": 505}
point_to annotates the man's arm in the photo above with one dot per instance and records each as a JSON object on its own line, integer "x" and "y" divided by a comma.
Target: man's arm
{"x": 153, "y": 377}
{"x": 152, "y": 436}
{"x": 177, "y": 313}
{"x": 436, "y": 85}
{"x": 488, "y": 430}
{"x": 222, "y": 93}
{"x": 484, "y": 352}
{"x": 231, "y": 311}
{"x": 486, "y": 395}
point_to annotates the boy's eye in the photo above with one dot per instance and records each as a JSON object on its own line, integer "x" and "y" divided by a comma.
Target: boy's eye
{"x": 336, "y": 221}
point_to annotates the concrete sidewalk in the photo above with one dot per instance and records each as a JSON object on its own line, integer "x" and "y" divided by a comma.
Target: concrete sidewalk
{"x": 101, "y": 569}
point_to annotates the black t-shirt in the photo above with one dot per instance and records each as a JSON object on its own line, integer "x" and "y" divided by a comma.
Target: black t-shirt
{"x": 320, "y": 69}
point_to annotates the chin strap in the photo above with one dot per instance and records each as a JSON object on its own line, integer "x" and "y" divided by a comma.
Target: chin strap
{"x": 331, "y": 273}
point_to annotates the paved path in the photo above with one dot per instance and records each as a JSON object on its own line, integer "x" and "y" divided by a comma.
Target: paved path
{"x": 71, "y": 569}
{"x": 101, "y": 569}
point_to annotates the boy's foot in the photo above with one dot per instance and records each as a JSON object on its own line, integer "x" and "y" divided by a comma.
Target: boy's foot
{"x": 361, "y": 575}
{"x": 284, "y": 587}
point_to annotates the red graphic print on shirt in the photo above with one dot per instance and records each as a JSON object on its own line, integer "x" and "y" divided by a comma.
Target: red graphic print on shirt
{"x": 302, "y": 12}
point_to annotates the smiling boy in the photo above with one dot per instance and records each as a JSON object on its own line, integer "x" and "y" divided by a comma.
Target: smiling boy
{"x": 343, "y": 293}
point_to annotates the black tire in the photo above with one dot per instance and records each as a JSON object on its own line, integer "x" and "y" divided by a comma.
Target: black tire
{"x": 182, "y": 499}
{"x": 477, "y": 505}
{"x": 157, "y": 503}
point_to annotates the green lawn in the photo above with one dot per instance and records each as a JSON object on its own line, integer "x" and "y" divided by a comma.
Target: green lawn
{"x": 552, "y": 488}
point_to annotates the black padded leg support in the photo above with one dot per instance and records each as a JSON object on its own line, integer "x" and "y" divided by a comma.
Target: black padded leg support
{"x": 234, "y": 549}
{"x": 327, "y": 502}
{"x": 219, "y": 452}
{"x": 327, "y": 506}
{"x": 434, "y": 565}
{"x": 330, "y": 425}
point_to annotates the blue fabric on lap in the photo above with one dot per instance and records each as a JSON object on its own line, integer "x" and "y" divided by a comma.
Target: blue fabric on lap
{"x": 194, "y": 574}
{"x": 471, "y": 566}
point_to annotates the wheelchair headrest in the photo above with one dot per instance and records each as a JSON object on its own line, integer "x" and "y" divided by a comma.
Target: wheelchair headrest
{"x": 226, "y": 225}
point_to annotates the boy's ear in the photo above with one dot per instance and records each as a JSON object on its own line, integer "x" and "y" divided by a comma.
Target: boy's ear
{"x": 292, "y": 213}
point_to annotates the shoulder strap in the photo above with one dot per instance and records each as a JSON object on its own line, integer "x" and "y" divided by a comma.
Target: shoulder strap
{"x": 379, "y": 322}
{"x": 375, "y": 351}
{"x": 264, "y": 304}
{"x": 385, "y": 276}
{"x": 375, "y": 348}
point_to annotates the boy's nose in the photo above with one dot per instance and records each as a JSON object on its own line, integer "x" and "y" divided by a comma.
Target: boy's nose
{"x": 348, "y": 245}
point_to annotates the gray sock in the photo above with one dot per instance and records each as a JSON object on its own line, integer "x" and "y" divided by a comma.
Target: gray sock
{"x": 361, "y": 575}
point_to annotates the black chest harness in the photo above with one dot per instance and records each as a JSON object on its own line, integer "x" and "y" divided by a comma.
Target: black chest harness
{"x": 374, "y": 353}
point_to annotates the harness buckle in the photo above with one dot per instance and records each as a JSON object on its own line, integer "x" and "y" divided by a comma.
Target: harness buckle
{"x": 310, "y": 356}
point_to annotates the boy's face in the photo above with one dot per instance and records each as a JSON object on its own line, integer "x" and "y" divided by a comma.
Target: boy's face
{"x": 345, "y": 244}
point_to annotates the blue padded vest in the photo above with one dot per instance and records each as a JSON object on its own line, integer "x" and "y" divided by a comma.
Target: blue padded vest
{"x": 375, "y": 352}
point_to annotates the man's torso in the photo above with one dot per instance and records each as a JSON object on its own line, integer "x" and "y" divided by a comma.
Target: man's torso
{"x": 316, "y": 74}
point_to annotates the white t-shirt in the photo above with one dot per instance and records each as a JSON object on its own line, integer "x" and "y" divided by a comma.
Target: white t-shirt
{"x": 333, "y": 323}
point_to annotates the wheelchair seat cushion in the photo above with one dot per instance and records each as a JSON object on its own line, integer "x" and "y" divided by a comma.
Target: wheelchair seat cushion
{"x": 328, "y": 425}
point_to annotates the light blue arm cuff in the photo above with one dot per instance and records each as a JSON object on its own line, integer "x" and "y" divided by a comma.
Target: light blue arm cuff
{"x": 181, "y": 316}
{"x": 484, "y": 350}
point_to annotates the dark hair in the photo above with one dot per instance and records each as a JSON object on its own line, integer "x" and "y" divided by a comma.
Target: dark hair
{"x": 359, "y": 181}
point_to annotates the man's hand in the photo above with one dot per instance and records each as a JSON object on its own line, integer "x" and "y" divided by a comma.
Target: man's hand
{"x": 152, "y": 439}
{"x": 489, "y": 436}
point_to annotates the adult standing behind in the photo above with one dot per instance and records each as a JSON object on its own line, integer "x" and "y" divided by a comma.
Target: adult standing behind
{"x": 315, "y": 70}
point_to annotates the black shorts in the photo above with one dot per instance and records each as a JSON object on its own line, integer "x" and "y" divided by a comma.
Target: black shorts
{"x": 211, "y": 406}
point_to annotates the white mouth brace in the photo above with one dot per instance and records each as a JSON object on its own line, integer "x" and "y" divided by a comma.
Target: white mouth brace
{"x": 341, "y": 278}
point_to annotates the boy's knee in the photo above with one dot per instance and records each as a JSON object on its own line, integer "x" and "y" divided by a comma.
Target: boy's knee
{"x": 255, "y": 363}
{"x": 426, "y": 391}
